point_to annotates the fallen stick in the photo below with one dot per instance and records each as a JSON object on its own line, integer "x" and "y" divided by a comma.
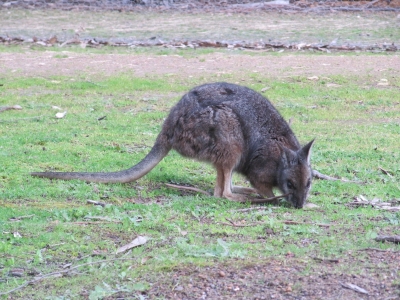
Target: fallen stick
{"x": 231, "y": 223}
{"x": 21, "y": 119}
{"x": 388, "y": 173}
{"x": 354, "y": 287}
{"x": 96, "y": 203}
{"x": 250, "y": 209}
{"x": 93, "y": 222}
{"x": 4, "y": 108}
{"x": 388, "y": 238}
{"x": 251, "y": 200}
{"x": 14, "y": 219}
{"x": 264, "y": 200}
{"x": 188, "y": 188}
{"x": 306, "y": 223}
{"x": 319, "y": 175}
{"x": 375, "y": 249}
{"x": 331, "y": 260}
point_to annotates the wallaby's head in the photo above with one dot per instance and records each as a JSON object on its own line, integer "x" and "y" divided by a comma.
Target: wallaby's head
{"x": 295, "y": 174}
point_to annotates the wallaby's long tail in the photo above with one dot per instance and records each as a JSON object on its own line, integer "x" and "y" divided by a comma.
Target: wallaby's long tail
{"x": 156, "y": 154}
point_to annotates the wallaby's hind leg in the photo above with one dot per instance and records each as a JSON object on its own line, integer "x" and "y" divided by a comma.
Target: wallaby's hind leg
{"x": 219, "y": 185}
{"x": 223, "y": 187}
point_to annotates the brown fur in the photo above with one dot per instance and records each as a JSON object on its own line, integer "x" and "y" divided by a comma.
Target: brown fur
{"x": 235, "y": 129}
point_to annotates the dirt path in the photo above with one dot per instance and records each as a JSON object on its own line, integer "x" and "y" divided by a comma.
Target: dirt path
{"x": 213, "y": 66}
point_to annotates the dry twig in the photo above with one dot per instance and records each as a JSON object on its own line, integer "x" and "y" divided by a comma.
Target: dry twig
{"x": 354, "y": 287}
{"x": 319, "y": 175}
{"x": 19, "y": 218}
{"x": 251, "y": 208}
{"x": 264, "y": 200}
{"x": 4, "y": 108}
{"x": 231, "y": 223}
{"x": 93, "y": 222}
{"x": 96, "y": 203}
{"x": 188, "y": 188}
{"x": 251, "y": 200}
{"x": 375, "y": 249}
{"x": 306, "y": 223}
{"x": 287, "y": 222}
{"x": 330, "y": 260}
{"x": 388, "y": 173}
{"x": 388, "y": 238}
{"x": 21, "y": 119}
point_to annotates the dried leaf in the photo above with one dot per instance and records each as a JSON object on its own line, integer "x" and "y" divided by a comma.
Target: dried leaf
{"x": 140, "y": 240}
{"x": 61, "y": 115}
{"x": 17, "y": 234}
{"x": 313, "y": 78}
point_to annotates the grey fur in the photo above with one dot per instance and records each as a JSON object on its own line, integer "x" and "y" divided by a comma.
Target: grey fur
{"x": 235, "y": 129}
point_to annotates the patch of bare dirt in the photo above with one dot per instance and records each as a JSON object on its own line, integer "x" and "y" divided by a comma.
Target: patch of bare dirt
{"x": 212, "y": 66}
{"x": 290, "y": 278}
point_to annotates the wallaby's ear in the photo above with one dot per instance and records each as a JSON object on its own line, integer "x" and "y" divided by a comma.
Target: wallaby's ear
{"x": 287, "y": 156}
{"x": 305, "y": 152}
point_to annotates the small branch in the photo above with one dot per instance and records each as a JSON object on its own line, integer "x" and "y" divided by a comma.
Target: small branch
{"x": 188, "y": 188}
{"x": 330, "y": 260}
{"x": 4, "y": 108}
{"x": 250, "y": 209}
{"x": 264, "y": 200}
{"x": 232, "y": 223}
{"x": 15, "y": 219}
{"x": 93, "y": 222}
{"x": 386, "y": 238}
{"x": 319, "y": 175}
{"x": 58, "y": 273}
{"x": 385, "y": 172}
{"x": 375, "y": 249}
{"x": 105, "y": 219}
{"x": 251, "y": 200}
{"x": 354, "y": 287}
{"x": 22, "y": 119}
{"x": 96, "y": 203}
{"x": 306, "y": 223}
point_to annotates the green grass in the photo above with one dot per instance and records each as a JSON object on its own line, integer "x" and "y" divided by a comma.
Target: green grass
{"x": 356, "y": 131}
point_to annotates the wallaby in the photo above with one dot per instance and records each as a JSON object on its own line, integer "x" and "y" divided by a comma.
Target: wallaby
{"x": 235, "y": 129}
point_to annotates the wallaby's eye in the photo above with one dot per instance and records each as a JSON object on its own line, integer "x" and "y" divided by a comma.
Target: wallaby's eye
{"x": 290, "y": 185}
{"x": 308, "y": 183}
